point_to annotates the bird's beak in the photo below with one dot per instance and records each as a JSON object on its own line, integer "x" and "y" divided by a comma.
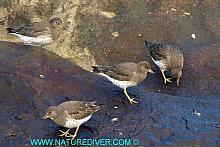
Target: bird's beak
{"x": 150, "y": 70}
{"x": 45, "y": 117}
{"x": 62, "y": 27}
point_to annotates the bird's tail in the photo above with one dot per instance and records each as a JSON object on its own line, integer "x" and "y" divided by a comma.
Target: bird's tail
{"x": 96, "y": 69}
{"x": 101, "y": 69}
{"x": 11, "y": 30}
{"x": 148, "y": 43}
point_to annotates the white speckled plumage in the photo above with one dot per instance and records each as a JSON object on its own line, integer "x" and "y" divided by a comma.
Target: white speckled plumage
{"x": 160, "y": 63}
{"x": 167, "y": 57}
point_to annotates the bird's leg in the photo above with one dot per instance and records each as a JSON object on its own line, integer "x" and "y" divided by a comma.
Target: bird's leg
{"x": 75, "y": 134}
{"x": 178, "y": 82}
{"x": 64, "y": 133}
{"x": 131, "y": 100}
{"x": 166, "y": 79}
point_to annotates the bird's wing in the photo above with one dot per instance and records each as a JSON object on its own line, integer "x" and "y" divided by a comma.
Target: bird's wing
{"x": 79, "y": 110}
{"x": 157, "y": 51}
{"x": 35, "y": 29}
{"x": 177, "y": 57}
{"x": 119, "y": 72}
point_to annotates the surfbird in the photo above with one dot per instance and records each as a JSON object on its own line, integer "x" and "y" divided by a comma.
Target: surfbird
{"x": 126, "y": 74}
{"x": 71, "y": 114}
{"x": 167, "y": 57}
{"x": 39, "y": 33}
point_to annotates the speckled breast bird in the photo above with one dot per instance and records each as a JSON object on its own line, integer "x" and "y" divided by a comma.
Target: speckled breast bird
{"x": 39, "y": 33}
{"x": 125, "y": 74}
{"x": 71, "y": 114}
{"x": 167, "y": 57}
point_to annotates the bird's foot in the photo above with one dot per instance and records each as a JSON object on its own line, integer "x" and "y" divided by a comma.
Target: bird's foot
{"x": 167, "y": 80}
{"x": 73, "y": 136}
{"x": 64, "y": 133}
{"x": 131, "y": 100}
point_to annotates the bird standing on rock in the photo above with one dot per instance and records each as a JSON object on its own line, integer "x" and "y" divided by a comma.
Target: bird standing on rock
{"x": 39, "y": 33}
{"x": 71, "y": 114}
{"x": 125, "y": 74}
{"x": 167, "y": 57}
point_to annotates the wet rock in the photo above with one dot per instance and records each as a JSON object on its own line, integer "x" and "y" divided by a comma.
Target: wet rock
{"x": 159, "y": 119}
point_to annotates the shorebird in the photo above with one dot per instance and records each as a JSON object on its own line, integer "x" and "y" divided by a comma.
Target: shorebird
{"x": 125, "y": 74}
{"x": 71, "y": 114}
{"x": 167, "y": 57}
{"x": 39, "y": 33}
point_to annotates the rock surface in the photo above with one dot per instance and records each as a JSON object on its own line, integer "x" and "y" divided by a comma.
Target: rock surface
{"x": 98, "y": 30}
{"x": 107, "y": 32}
{"x": 32, "y": 79}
